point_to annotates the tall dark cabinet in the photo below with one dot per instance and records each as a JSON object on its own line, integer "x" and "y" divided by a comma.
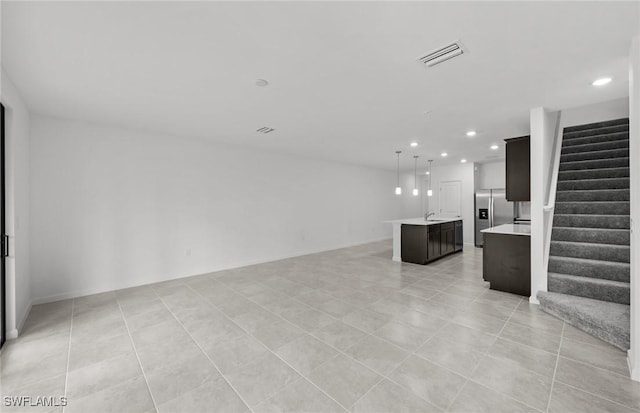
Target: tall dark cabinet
{"x": 518, "y": 172}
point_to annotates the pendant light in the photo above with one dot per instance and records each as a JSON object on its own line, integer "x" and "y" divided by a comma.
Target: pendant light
{"x": 429, "y": 191}
{"x": 415, "y": 175}
{"x": 398, "y": 188}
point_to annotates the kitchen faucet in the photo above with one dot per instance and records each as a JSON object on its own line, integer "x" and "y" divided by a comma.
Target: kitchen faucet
{"x": 427, "y": 215}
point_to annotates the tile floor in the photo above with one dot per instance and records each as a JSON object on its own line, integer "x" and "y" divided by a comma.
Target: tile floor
{"x": 345, "y": 330}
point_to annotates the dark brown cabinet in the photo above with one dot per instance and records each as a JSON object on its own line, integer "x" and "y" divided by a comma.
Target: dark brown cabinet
{"x": 447, "y": 238}
{"x": 433, "y": 242}
{"x": 507, "y": 263}
{"x": 421, "y": 244}
{"x": 518, "y": 170}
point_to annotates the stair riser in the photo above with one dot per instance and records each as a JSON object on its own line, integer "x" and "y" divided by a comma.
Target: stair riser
{"x": 602, "y": 270}
{"x": 605, "y": 208}
{"x": 614, "y": 183}
{"x": 582, "y": 196}
{"x": 571, "y": 140}
{"x": 613, "y": 253}
{"x": 583, "y": 288}
{"x": 589, "y": 221}
{"x": 593, "y": 174}
{"x": 598, "y": 146}
{"x": 595, "y": 164}
{"x": 614, "y": 237}
{"x": 598, "y": 125}
{"x": 588, "y": 156}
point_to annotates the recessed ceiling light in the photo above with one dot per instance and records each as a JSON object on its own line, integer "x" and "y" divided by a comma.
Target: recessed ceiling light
{"x": 443, "y": 154}
{"x": 426, "y": 173}
{"x": 262, "y": 83}
{"x": 463, "y": 161}
{"x": 602, "y": 81}
{"x": 414, "y": 144}
{"x": 471, "y": 133}
{"x": 494, "y": 147}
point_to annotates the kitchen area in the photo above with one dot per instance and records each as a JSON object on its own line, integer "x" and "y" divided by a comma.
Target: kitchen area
{"x": 501, "y": 224}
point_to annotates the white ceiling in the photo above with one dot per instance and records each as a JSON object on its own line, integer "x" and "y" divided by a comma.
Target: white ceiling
{"x": 344, "y": 81}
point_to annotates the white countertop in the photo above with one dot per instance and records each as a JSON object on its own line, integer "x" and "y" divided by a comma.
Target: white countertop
{"x": 509, "y": 229}
{"x": 421, "y": 221}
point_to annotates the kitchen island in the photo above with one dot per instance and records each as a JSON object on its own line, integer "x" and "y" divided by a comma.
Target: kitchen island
{"x": 506, "y": 258}
{"x": 420, "y": 241}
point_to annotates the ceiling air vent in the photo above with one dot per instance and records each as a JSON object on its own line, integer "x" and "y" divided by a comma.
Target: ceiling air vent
{"x": 442, "y": 54}
{"x": 265, "y": 129}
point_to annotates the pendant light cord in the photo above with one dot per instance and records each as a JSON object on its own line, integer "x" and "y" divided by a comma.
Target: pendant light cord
{"x": 398, "y": 169}
{"x": 415, "y": 172}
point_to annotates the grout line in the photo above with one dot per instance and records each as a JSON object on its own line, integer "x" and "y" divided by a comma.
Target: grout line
{"x": 555, "y": 369}
{"x": 598, "y": 396}
{"x": 204, "y": 352}
{"x": 66, "y": 373}
{"x": 384, "y": 376}
{"x": 268, "y": 350}
{"x": 444, "y": 270}
{"x": 484, "y": 355}
{"x": 135, "y": 351}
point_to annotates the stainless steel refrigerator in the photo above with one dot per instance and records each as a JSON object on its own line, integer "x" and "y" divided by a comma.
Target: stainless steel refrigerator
{"x": 491, "y": 209}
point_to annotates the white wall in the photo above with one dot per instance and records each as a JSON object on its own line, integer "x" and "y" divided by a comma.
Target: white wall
{"x": 634, "y": 149}
{"x": 491, "y": 175}
{"x": 598, "y": 112}
{"x": 543, "y": 125}
{"x": 17, "y": 203}
{"x": 456, "y": 172}
{"x": 113, "y": 208}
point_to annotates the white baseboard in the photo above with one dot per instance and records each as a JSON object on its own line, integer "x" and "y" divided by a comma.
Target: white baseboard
{"x": 14, "y": 333}
{"x": 534, "y": 300}
{"x": 633, "y": 373}
{"x": 82, "y": 293}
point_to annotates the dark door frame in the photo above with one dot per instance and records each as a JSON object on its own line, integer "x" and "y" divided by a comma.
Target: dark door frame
{"x": 4, "y": 247}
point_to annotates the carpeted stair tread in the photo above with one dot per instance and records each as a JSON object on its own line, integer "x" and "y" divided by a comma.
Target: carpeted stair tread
{"x": 599, "y": 183}
{"x": 592, "y": 251}
{"x": 591, "y": 221}
{"x": 583, "y": 267}
{"x": 586, "y": 156}
{"x": 597, "y": 125}
{"x": 593, "y": 235}
{"x": 593, "y": 195}
{"x": 605, "y": 290}
{"x": 589, "y": 256}
{"x": 604, "y": 137}
{"x": 593, "y": 208}
{"x": 571, "y": 175}
{"x": 595, "y": 164}
{"x": 605, "y": 320}
{"x": 596, "y": 146}
{"x": 568, "y": 136}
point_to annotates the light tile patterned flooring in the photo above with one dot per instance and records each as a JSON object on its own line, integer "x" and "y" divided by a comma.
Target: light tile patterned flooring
{"x": 345, "y": 330}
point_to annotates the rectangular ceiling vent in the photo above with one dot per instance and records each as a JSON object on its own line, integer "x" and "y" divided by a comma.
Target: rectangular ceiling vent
{"x": 443, "y": 54}
{"x": 265, "y": 129}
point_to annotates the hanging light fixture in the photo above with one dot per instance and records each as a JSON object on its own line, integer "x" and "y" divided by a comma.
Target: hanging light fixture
{"x": 398, "y": 188}
{"x": 429, "y": 191}
{"x": 415, "y": 175}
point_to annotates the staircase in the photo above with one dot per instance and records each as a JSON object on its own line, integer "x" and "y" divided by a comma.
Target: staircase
{"x": 589, "y": 268}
